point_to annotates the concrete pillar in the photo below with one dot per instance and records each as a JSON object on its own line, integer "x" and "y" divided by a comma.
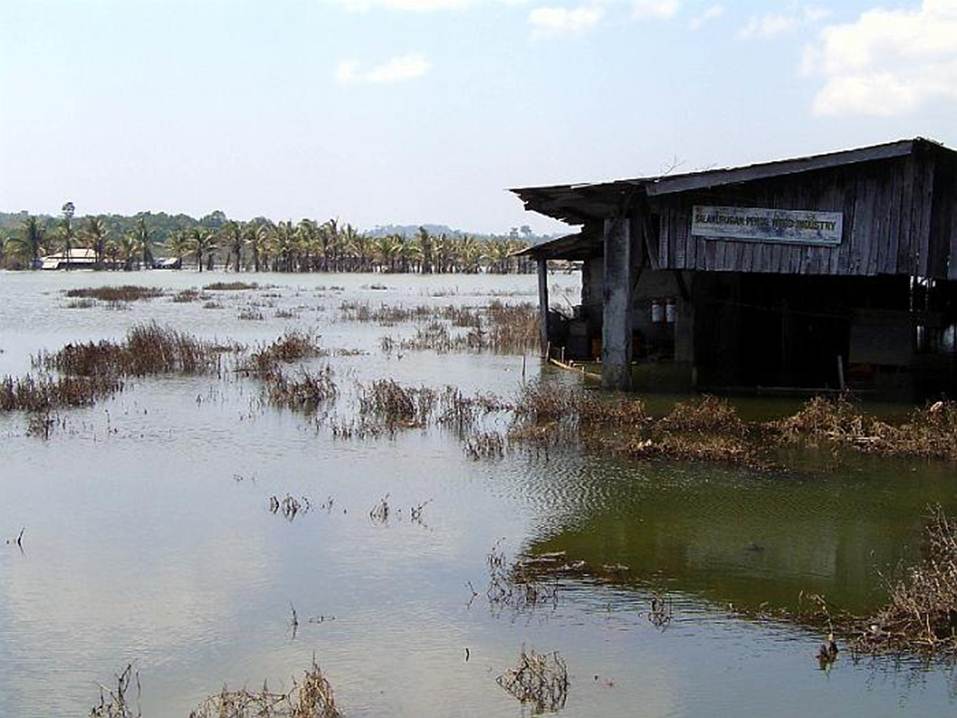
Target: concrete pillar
{"x": 617, "y": 320}
{"x": 543, "y": 304}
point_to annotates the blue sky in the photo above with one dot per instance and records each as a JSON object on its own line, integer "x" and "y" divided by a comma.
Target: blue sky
{"x": 382, "y": 111}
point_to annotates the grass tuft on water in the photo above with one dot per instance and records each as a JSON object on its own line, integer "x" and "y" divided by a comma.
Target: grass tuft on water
{"x": 230, "y": 286}
{"x": 125, "y": 293}
{"x": 147, "y": 349}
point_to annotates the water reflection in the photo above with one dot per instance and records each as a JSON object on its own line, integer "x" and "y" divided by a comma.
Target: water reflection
{"x": 141, "y": 545}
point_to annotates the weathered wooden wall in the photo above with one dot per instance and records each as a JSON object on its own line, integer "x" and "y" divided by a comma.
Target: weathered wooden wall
{"x": 900, "y": 217}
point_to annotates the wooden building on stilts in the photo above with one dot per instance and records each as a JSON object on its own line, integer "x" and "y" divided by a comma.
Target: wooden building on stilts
{"x": 823, "y": 272}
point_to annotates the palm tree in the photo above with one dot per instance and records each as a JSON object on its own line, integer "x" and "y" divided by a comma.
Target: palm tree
{"x": 425, "y": 243}
{"x": 30, "y": 243}
{"x": 286, "y": 244}
{"x": 129, "y": 250}
{"x": 66, "y": 232}
{"x": 112, "y": 250}
{"x": 233, "y": 240}
{"x": 143, "y": 241}
{"x": 202, "y": 246}
{"x": 179, "y": 244}
{"x": 95, "y": 235}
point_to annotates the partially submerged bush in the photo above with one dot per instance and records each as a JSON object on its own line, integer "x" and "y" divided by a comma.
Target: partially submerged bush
{"x": 307, "y": 391}
{"x": 921, "y": 613}
{"x": 291, "y": 346}
{"x": 43, "y": 393}
{"x": 147, "y": 349}
{"x": 538, "y": 680}
{"x": 703, "y": 415}
{"x": 125, "y": 293}
{"x": 230, "y": 286}
{"x": 930, "y": 432}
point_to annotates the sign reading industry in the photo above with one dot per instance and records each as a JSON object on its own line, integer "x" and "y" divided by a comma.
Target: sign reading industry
{"x": 756, "y": 224}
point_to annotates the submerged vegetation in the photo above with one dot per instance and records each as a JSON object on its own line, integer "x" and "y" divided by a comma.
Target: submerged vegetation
{"x": 125, "y": 293}
{"x": 147, "y": 349}
{"x": 311, "y": 696}
{"x": 921, "y": 613}
{"x": 539, "y": 681}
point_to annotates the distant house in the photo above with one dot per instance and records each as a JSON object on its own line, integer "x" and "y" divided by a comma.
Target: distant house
{"x": 168, "y": 263}
{"x": 78, "y": 258}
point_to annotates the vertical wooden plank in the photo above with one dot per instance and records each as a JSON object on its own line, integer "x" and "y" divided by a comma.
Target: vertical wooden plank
{"x": 905, "y": 263}
{"x": 849, "y": 199}
{"x": 927, "y": 204}
{"x": 889, "y": 264}
{"x": 543, "y": 304}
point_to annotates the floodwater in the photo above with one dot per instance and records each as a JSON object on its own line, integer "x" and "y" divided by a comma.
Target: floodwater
{"x": 149, "y": 540}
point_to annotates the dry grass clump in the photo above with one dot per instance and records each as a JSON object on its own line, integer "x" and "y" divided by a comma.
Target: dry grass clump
{"x": 81, "y": 304}
{"x": 511, "y": 327}
{"x": 824, "y": 419}
{"x": 708, "y": 448}
{"x": 308, "y": 391}
{"x": 921, "y": 613}
{"x": 538, "y": 680}
{"x": 147, "y": 349}
{"x": 543, "y": 402}
{"x": 706, "y": 414}
{"x": 291, "y": 346}
{"x": 230, "y": 286}
{"x": 43, "y": 393}
{"x": 311, "y": 697}
{"x": 395, "y": 405}
{"x": 250, "y": 314}
{"x": 125, "y": 293}
{"x": 186, "y": 295}
{"x": 929, "y": 432}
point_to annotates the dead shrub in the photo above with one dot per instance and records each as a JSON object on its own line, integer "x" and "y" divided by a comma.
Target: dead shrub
{"x": 921, "y": 613}
{"x": 538, "y": 680}
{"x": 311, "y": 697}
{"x": 706, "y": 414}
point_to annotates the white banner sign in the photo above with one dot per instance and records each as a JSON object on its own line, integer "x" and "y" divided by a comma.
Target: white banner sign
{"x": 757, "y": 224}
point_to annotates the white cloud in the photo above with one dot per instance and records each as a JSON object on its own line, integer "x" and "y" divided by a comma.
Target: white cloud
{"x": 887, "y": 62}
{"x": 776, "y": 23}
{"x": 397, "y": 69}
{"x": 654, "y": 9}
{"x": 559, "y": 20}
{"x": 708, "y": 14}
{"x": 405, "y": 5}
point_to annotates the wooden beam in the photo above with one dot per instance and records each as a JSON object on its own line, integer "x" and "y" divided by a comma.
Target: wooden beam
{"x": 543, "y": 304}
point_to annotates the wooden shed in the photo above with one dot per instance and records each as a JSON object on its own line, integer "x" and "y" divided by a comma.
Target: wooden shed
{"x": 818, "y": 272}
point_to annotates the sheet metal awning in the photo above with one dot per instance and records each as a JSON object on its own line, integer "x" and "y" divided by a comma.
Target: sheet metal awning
{"x": 578, "y": 203}
{"x": 571, "y": 247}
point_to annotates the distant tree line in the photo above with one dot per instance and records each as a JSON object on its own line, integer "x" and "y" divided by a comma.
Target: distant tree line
{"x": 127, "y": 243}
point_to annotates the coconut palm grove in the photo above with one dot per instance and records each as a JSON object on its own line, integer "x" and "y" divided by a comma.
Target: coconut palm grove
{"x": 141, "y": 241}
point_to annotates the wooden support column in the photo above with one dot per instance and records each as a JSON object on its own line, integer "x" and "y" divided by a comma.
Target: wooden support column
{"x": 543, "y": 304}
{"x": 617, "y": 293}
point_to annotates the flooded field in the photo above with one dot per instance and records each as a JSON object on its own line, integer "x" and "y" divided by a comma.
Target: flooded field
{"x": 207, "y": 534}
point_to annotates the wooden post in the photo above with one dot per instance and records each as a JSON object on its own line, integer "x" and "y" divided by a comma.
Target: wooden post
{"x": 543, "y": 304}
{"x": 617, "y": 293}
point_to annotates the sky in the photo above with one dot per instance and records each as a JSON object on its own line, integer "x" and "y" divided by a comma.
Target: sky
{"x": 414, "y": 111}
